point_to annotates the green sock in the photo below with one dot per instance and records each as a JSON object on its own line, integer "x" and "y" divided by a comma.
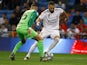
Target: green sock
{"x": 18, "y": 45}
{"x": 40, "y": 48}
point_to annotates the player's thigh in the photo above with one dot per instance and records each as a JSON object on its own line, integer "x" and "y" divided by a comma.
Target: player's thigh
{"x": 55, "y": 33}
{"x": 21, "y": 36}
{"x": 32, "y": 33}
{"x": 44, "y": 33}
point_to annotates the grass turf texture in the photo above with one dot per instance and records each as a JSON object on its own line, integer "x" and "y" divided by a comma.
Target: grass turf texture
{"x": 59, "y": 59}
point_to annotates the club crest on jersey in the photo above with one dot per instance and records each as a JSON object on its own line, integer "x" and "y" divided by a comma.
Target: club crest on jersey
{"x": 48, "y": 15}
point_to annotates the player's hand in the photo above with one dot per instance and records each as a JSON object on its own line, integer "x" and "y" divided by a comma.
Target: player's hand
{"x": 38, "y": 23}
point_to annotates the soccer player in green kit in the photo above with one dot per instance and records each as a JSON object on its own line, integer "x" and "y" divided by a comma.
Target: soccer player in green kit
{"x": 24, "y": 31}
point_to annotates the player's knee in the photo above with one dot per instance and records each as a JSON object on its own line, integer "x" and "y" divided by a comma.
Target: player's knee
{"x": 38, "y": 37}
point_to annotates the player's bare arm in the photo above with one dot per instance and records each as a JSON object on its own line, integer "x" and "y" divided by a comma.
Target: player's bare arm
{"x": 63, "y": 16}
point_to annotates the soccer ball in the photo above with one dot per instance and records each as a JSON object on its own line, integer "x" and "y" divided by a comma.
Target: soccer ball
{"x": 49, "y": 56}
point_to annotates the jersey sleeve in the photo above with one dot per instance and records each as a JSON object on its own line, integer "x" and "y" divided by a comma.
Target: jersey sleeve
{"x": 61, "y": 10}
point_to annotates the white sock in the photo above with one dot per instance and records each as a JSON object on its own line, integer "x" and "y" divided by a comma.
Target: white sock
{"x": 31, "y": 49}
{"x": 55, "y": 41}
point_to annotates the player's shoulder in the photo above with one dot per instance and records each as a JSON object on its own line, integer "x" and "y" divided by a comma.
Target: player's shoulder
{"x": 27, "y": 10}
{"x": 46, "y": 11}
{"x": 58, "y": 9}
{"x": 30, "y": 11}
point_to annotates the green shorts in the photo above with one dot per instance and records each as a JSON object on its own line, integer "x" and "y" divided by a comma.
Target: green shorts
{"x": 23, "y": 33}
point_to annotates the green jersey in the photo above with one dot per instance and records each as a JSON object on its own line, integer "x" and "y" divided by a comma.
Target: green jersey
{"x": 27, "y": 19}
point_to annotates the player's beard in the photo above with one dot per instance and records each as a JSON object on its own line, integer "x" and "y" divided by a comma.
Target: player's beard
{"x": 51, "y": 11}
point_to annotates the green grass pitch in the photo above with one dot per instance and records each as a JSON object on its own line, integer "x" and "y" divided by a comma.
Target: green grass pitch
{"x": 59, "y": 59}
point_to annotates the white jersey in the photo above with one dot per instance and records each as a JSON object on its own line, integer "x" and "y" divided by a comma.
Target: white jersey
{"x": 51, "y": 20}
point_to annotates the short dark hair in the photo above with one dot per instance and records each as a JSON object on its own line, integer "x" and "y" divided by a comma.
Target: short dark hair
{"x": 51, "y": 3}
{"x": 34, "y": 4}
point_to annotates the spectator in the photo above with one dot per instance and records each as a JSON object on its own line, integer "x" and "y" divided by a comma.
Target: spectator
{"x": 2, "y": 18}
{"x": 3, "y": 28}
{"x": 85, "y": 18}
{"x": 26, "y": 7}
{"x": 13, "y": 32}
{"x": 5, "y": 4}
{"x": 31, "y": 1}
{"x": 23, "y": 1}
{"x": 76, "y": 18}
{"x": 81, "y": 25}
{"x": 83, "y": 34}
{"x": 3, "y": 31}
{"x": 80, "y": 5}
{"x": 62, "y": 32}
{"x": 61, "y": 5}
{"x": 42, "y": 9}
{"x": 0, "y": 4}
{"x": 7, "y": 25}
{"x": 52, "y": 0}
{"x": 73, "y": 32}
{"x": 13, "y": 3}
{"x": 13, "y": 20}
{"x": 77, "y": 2}
{"x": 64, "y": 25}
{"x": 17, "y": 12}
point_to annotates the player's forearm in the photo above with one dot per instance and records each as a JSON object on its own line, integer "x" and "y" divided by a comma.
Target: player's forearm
{"x": 66, "y": 16}
{"x": 38, "y": 21}
{"x": 63, "y": 17}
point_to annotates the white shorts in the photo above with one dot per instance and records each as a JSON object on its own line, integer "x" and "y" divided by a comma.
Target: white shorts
{"x": 52, "y": 33}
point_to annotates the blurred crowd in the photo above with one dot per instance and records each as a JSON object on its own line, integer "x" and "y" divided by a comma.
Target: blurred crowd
{"x": 74, "y": 28}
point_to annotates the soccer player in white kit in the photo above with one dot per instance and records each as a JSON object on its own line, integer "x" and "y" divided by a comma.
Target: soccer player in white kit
{"x": 50, "y": 18}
